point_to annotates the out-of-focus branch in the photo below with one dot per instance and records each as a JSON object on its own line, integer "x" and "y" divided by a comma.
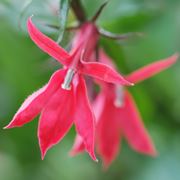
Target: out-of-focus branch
{"x": 78, "y": 10}
{"x": 110, "y": 35}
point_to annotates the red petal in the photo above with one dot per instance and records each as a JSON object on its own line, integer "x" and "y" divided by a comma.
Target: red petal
{"x": 47, "y": 44}
{"x": 133, "y": 129}
{"x": 56, "y": 119}
{"x": 152, "y": 69}
{"x": 102, "y": 72}
{"x": 88, "y": 36}
{"x": 78, "y": 146}
{"x": 104, "y": 58}
{"x": 84, "y": 118}
{"x": 34, "y": 103}
{"x": 98, "y": 106}
{"x": 108, "y": 133}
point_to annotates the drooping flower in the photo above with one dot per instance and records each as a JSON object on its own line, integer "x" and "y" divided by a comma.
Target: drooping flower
{"x": 117, "y": 115}
{"x": 63, "y": 101}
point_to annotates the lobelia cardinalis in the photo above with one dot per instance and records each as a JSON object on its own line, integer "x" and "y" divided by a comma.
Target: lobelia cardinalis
{"x": 117, "y": 115}
{"x": 63, "y": 100}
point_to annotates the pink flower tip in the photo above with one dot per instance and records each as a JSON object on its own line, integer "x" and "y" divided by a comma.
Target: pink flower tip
{"x": 9, "y": 126}
{"x": 150, "y": 152}
{"x": 175, "y": 56}
{"x": 12, "y": 125}
{"x": 128, "y": 83}
{"x": 154, "y": 153}
{"x": 6, "y": 127}
{"x": 43, "y": 153}
{"x": 43, "y": 150}
{"x": 96, "y": 160}
{"x": 125, "y": 82}
{"x": 93, "y": 157}
{"x": 173, "y": 59}
{"x": 72, "y": 153}
{"x": 105, "y": 166}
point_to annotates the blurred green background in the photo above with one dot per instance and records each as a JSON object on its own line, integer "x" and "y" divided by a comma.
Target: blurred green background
{"x": 24, "y": 68}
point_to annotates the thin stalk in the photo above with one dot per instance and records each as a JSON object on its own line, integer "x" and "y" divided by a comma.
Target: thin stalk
{"x": 78, "y": 10}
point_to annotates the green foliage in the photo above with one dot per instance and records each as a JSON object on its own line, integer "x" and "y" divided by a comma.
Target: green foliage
{"x": 24, "y": 68}
{"x": 63, "y": 16}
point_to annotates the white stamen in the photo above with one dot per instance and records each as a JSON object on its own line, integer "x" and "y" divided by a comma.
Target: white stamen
{"x": 68, "y": 79}
{"x": 119, "y": 101}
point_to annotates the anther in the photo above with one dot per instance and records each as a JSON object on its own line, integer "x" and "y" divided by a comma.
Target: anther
{"x": 119, "y": 101}
{"x": 68, "y": 79}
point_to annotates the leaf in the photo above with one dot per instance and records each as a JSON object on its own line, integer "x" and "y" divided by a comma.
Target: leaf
{"x": 24, "y": 9}
{"x": 63, "y": 15}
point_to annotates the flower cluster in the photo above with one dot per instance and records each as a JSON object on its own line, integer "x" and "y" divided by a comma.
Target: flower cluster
{"x": 64, "y": 101}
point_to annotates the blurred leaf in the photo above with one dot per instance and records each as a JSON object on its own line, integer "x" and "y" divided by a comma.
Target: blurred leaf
{"x": 24, "y": 9}
{"x": 63, "y": 16}
{"x": 25, "y": 68}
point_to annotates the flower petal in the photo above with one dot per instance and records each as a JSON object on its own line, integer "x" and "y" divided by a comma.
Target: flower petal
{"x": 98, "y": 106}
{"x": 78, "y": 146}
{"x": 47, "y": 44}
{"x": 102, "y": 72}
{"x": 84, "y": 118}
{"x": 133, "y": 129}
{"x": 34, "y": 103}
{"x": 152, "y": 69}
{"x": 104, "y": 58}
{"x": 108, "y": 133}
{"x": 56, "y": 119}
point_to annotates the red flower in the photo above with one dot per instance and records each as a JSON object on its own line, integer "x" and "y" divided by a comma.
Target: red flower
{"x": 117, "y": 115}
{"x": 63, "y": 101}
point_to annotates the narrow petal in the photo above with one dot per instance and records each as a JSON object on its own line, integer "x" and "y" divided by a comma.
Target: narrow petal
{"x": 47, "y": 44}
{"x": 88, "y": 36}
{"x": 98, "y": 106}
{"x": 84, "y": 118}
{"x": 104, "y": 58}
{"x": 34, "y": 103}
{"x": 152, "y": 69}
{"x": 56, "y": 119}
{"x": 108, "y": 133}
{"x": 133, "y": 129}
{"x": 102, "y": 72}
{"x": 78, "y": 146}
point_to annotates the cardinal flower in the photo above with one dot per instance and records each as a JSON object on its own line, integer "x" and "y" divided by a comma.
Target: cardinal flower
{"x": 63, "y": 101}
{"x": 117, "y": 115}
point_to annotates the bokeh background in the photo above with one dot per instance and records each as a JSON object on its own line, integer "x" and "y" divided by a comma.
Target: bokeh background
{"x": 24, "y": 68}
